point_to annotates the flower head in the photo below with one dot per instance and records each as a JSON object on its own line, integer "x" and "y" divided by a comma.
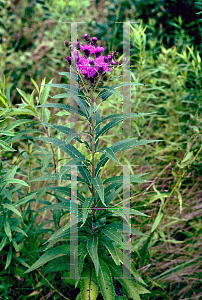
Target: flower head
{"x": 90, "y": 67}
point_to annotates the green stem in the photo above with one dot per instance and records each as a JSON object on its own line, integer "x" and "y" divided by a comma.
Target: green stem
{"x": 93, "y": 155}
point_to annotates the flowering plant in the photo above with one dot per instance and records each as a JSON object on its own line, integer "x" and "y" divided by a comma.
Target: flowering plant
{"x": 98, "y": 253}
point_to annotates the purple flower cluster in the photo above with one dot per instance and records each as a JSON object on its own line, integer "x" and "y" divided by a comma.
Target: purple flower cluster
{"x": 92, "y": 68}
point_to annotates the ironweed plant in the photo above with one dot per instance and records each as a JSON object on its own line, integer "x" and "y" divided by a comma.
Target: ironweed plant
{"x": 98, "y": 253}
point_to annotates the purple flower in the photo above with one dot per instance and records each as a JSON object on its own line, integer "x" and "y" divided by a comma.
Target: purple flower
{"x": 88, "y": 49}
{"x": 90, "y": 67}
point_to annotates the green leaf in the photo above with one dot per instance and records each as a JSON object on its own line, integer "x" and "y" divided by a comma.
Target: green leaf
{"x": 109, "y": 153}
{"x": 56, "y": 206}
{"x": 70, "y": 132}
{"x": 120, "y": 146}
{"x": 116, "y": 236}
{"x": 108, "y": 89}
{"x": 81, "y": 252}
{"x": 8, "y": 230}
{"x": 131, "y": 267}
{"x": 88, "y": 286}
{"x": 18, "y": 123}
{"x": 125, "y": 83}
{"x": 23, "y": 95}
{"x": 49, "y": 255}
{"x": 71, "y": 163}
{"x": 85, "y": 173}
{"x": 130, "y": 143}
{"x": 7, "y": 133}
{"x": 83, "y": 105}
{"x": 85, "y": 208}
{"x": 92, "y": 246}
{"x": 57, "y": 177}
{"x": 120, "y": 116}
{"x": 141, "y": 290}
{"x": 6, "y": 146}
{"x": 117, "y": 119}
{"x": 64, "y": 106}
{"x": 35, "y": 84}
{"x": 3, "y": 242}
{"x": 127, "y": 228}
{"x": 104, "y": 278}
{"x": 119, "y": 179}
{"x": 17, "y": 229}
{"x": 75, "y": 76}
{"x": 112, "y": 250}
{"x": 62, "y": 230}
{"x": 97, "y": 182}
{"x": 45, "y": 93}
{"x": 24, "y": 200}
{"x": 16, "y": 181}
{"x": 12, "y": 208}
{"x": 157, "y": 220}
{"x": 67, "y": 148}
{"x": 9, "y": 258}
{"x": 129, "y": 284}
{"x": 64, "y": 95}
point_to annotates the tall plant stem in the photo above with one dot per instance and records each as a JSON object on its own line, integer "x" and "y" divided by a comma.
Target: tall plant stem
{"x": 93, "y": 154}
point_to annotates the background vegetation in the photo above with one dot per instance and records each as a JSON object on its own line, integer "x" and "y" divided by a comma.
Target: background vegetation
{"x": 166, "y": 56}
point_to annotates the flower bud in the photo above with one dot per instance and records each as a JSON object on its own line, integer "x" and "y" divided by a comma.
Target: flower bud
{"x": 67, "y": 44}
{"x": 94, "y": 40}
{"x": 68, "y": 58}
{"x": 86, "y": 37}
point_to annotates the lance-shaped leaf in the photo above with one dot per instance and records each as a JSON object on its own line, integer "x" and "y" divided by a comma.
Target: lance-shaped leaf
{"x": 24, "y": 200}
{"x": 104, "y": 278}
{"x": 121, "y": 116}
{"x": 124, "y": 258}
{"x": 132, "y": 178}
{"x": 81, "y": 252}
{"x": 88, "y": 286}
{"x": 112, "y": 250}
{"x": 72, "y": 133}
{"x": 6, "y": 146}
{"x": 120, "y": 146}
{"x": 18, "y": 123}
{"x": 127, "y": 228}
{"x": 12, "y": 208}
{"x": 109, "y": 153}
{"x": 116, "y": 121}
{"x": 49, "y": 255}
{"x": 7, "y": 229}
{"x": 64, "y": 95}
{"x": 71, "y": 163}
{"x": 108, "y": 89}
{"x": 61, "y": 231}
{"x": 64, "y": 106}
{"x": 75, "y": 76}
{"x": 83, "y": 105}
{"x": 92, "y": 246}
{"x": 128, "y": 284}
{"x": 67, "y": 148}
{"x": 85, "y": 208}
{"x": 85, "y": 173}
{"x": 97, "y": 182}
{"x": 112, "y": 193}
{"x": 115, "y": 236}
{"x": 57, "y": 177}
